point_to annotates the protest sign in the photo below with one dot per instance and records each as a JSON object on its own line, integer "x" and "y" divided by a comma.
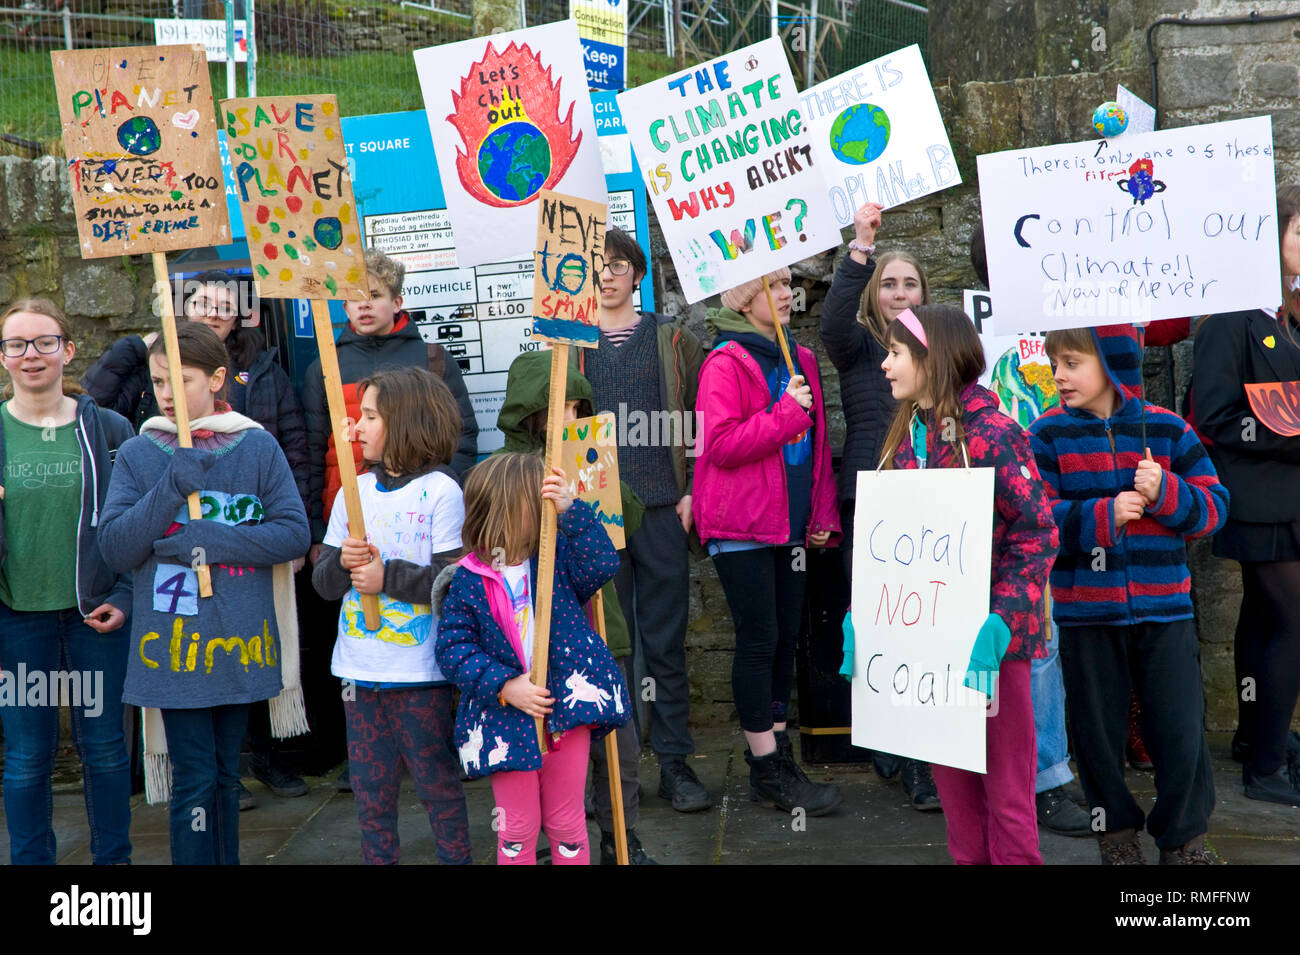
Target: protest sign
{"x": 602, "y": 27}
{"x": 1141, "y": 117}
{"x": 141, "y": 140}
{"x": 210, "y": 34}
{"x": 1159, "y": 225}
{"x": 569, "y": 257}
{"x": 509, "y": 116}
{"x": 1277, "y": 406}
{"x": 295, "y": 197}
{"x": 730, "y": 165}
{"x": 1016, "y": 368}
{"x": 590, "y": 462}
{"x": 878, "y": 135}
{"x": 921, "y": 566}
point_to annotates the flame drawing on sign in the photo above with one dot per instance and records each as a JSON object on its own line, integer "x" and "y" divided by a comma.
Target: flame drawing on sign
{"x": 514, "y": 143}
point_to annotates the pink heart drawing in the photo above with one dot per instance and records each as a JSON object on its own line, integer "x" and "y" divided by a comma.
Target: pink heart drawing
{"x": 186, "y": 120}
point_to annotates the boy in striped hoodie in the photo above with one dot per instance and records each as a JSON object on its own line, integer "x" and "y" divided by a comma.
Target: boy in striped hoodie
{"x": 1130, "y": 483}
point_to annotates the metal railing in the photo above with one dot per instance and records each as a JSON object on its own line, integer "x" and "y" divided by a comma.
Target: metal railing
{"x": 361, "y": 49}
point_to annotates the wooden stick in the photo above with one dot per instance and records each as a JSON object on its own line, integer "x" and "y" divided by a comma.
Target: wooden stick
{"x": 163, "y": 283}
{"x": 550, "y": 526}
{"x": 611, "y": 750}
{"x": 342, "y": 430}
{"x": 780, "y": 330}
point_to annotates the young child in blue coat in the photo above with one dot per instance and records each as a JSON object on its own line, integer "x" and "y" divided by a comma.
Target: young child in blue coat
{"x": 486, "y": 632}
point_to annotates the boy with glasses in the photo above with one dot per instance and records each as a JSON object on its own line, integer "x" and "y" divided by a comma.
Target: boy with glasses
{"x": 646, "y": 371}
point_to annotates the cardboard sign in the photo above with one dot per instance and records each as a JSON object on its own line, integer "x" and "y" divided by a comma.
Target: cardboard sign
{"x": 1143, "y": 227}
{"x": 878, "y": 135}
{"x": 921, "y": 566}
{"x": 509, "y": 116}
{"x": 732, "y": 169}
{"x": 141, "y": 140}
{"x": 589, "y": 455}
{"x": 602, "y": 26}
{"x": 1277, "y": 405}
{"x": 566, "y": 269}
{"x": 1016, "y": 368}
{"x": 295, "y": 197}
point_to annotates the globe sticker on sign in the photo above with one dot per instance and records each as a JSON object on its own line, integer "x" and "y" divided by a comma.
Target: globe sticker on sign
{"x": 860, "y": 134}
{"x": 509, "y": 116}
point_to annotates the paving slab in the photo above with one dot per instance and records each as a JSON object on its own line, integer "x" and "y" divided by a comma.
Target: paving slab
{"x": 873, "y": 825}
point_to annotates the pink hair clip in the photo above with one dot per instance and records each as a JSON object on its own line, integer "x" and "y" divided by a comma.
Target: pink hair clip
{"x": 913, "y": 325}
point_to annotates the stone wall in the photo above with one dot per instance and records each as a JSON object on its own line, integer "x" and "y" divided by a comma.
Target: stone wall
{"x": 39, "y": 256}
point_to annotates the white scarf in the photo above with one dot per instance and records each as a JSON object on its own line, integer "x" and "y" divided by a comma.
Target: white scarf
{"x": 288, "y": 710}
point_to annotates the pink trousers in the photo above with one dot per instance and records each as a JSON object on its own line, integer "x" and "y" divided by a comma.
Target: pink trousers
{"x": 550, "y": 798}
{"x": 991, "y": 818}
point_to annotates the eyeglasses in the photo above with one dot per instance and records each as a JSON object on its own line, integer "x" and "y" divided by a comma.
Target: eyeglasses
{"x": 618, "y": 266}
{"x": 45, "y": 345}
{"x": 196, "y": 307}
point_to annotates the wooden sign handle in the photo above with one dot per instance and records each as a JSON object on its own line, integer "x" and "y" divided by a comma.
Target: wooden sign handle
{"x": 611, "y": 750}
{"x": 329, "y": 366}
{"x": 163, "y": 283}
{"x": 550, "y": 526}
{"x": 780, "y": 329}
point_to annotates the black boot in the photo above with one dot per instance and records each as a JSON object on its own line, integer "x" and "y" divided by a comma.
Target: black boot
{"x": 785, "y": 748}
{"x": 918, "y": 786}
{"x": 885, "y": 764}
{"x": 1273, "y": 788}
{"x": 774, "y": 784}
{"x": 635, "y": 854}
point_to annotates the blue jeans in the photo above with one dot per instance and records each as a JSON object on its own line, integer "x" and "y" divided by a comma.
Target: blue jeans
{"x": 203, "y": 748}
{"x": 1047, "y": 690}
{"x": 59, "y": 641}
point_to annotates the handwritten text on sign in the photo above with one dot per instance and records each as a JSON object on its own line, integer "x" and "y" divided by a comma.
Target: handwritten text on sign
{"x": 920, "y": 592}
{"x": 566, "y": 272}
{"x": 590, "y": 461}
{"x": 729, "y": 163}
{"x": 295, "y": 196}
{"x": 141, "y": 140}
{"x": 1161, "y": 225}
{"x": 878, "y": 135}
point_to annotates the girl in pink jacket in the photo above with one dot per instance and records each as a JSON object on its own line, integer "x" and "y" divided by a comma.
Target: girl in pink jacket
{"x": 763, "y": 491}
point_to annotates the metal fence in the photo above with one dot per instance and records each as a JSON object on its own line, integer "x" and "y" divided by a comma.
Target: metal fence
{"x": 361, "y": 49}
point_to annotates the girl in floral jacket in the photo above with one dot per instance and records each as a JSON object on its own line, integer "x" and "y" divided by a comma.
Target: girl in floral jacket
{"x": 934, "y": 361}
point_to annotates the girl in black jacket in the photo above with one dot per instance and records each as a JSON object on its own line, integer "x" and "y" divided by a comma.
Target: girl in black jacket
{"x": 1261, "y": 471}
{"x": 853, "y": 331}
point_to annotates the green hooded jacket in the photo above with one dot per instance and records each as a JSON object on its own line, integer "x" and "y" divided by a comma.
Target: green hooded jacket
{"x": 528, "y": 387}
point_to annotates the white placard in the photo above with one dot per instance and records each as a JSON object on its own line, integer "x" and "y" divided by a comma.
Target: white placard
{"x": 1141, "y": 117}
{"x": 1139, "y": 228}
{"x": 731, "y": 170}
{"x": 211, "y": 34}
{"x": 878, "y": 135}
{"x": 1016, "y": 368}
{"x": 921, "y": 562}
{"x": 509, "y": 115}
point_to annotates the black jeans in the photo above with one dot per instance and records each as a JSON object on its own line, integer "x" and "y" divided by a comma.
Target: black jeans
{"x": 765, "y": 591}
{"x": 1162, "y": 661}
{"x": 1267, "y": 653}
{"x": 653, "y": 586}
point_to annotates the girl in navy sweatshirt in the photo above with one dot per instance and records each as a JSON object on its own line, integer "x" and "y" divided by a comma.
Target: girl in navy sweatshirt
{"x": 202, "y": 660}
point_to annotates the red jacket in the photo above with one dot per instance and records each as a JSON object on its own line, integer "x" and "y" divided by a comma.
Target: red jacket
{"x": 1025, "y": 538}
{"x": 740, "y": 486}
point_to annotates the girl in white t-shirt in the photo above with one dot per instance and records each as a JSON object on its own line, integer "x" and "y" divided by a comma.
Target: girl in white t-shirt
{"x": 397, "y": 703}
